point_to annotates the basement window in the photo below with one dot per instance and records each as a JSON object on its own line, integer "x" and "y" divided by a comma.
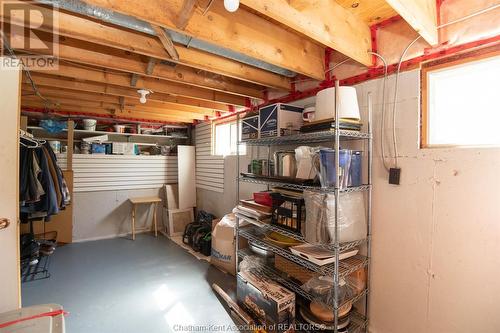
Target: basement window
{"x": 461, "y": 103}
{"x": 226, "y": 140}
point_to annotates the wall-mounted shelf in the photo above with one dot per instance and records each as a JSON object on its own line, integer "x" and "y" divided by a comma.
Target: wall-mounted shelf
{"x": 81, "y": 134}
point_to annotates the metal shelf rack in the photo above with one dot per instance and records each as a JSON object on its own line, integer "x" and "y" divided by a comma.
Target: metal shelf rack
{"x": 346, "y": 267}
{"x": 299, "y": 237}
{"x": 308, "y": 138}
{"x": 338, "y": 269}
{"x": 271, "y": 272}
{"x": 292, "y": 186}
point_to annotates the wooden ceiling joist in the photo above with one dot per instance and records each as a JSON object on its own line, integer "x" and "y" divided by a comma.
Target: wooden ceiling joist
{"x": 421, "y": 15}
{"x": 107, "y": 113}
{"x": 91, "y": 105}
{"x": 241, "y": 31}
{"x": 88, "y": 30}
{"x": 46, "y": 81}
{"x": 90, "y": 54}
{"x": 185, "y": 13}
{"x": 325, "y": 21}
{"x": 54, "y": 93}
{"x": 187, "y": 93}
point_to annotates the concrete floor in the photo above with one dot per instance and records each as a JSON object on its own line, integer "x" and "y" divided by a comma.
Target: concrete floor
{"x": 121, "y": 286}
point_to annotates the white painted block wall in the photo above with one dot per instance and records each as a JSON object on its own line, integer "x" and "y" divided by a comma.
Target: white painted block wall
{"x": 436, "y": 237}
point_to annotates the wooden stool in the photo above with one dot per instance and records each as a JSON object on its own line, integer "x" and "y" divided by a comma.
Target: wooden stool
{"x": 144, "y": 200}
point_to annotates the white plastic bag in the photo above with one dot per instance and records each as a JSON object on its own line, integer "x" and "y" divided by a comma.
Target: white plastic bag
{"x": 320, "y": 217}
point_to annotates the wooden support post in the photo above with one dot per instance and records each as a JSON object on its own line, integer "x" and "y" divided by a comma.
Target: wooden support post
{"x": 155, "y": 222}
{"x": 133, "y": 221}
{"x": 24, "y": 123}
{"x": 71, "y": 136}
{"x": 185, "y": 13}
{"x": 166, "y": 41}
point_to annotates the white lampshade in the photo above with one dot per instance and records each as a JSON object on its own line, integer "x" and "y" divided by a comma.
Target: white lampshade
{"x": 348, "y": 104}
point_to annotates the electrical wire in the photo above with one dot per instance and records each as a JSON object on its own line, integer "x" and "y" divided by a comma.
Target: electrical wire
{"x": 25, "y": 69}
{"x": 482, "y": 11}
{"x": 382, "y": 125}
{"x": 394, "y": 107}
{"x": 337, "y": 65}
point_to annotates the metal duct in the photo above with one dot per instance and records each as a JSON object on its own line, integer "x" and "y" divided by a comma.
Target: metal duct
{"x": 129, "y": 22}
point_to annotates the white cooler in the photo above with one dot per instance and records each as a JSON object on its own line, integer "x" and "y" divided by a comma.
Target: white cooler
{"x": 34, "y": 319}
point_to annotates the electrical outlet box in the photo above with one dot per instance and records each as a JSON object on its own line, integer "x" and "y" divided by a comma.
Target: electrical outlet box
{"x": 394, "y": 176}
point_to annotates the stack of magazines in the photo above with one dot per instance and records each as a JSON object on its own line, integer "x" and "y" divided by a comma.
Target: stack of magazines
{"x": 252, "y": 212}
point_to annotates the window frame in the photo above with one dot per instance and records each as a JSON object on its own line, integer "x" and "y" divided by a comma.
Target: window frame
{"x": 214, "y": 137}
{"x": 442, "y": 64}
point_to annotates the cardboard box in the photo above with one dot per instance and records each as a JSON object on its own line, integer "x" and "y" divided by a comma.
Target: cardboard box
{"x": 124, "y": 148}
{"x": 279, "y": 119}
{"x": 250, "y": 127}
{"x": 223, "y": 245}
{"x": 272, "y": 304}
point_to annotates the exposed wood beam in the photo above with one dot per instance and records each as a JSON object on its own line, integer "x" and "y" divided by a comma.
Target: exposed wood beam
{"x": 166, "y": 41}
{"x": 300, "y": 4}
{"x": 88, "y": 30}
{"x": 183, "y": 94}
{"x": 421, "y": 15}
{"x": 50, "y": 92}
{"x": 185, "y": 13}
{"x": 242, "y": 31}
{"x": 90, "y": 54}
{"x": 100, "y": 88}
{"x": 325, "y": 21}
{"x": 114, "y": 106}
{"x": 108, "y": 113}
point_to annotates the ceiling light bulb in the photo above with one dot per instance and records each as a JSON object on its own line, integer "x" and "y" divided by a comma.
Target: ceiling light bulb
{"x": 231, "y": 5}
{"x": 142, "y": 99}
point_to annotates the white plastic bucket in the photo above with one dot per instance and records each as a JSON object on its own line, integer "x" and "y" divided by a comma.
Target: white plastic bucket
{"x": 89, "y": 124}
{"x": 119, "y": 128}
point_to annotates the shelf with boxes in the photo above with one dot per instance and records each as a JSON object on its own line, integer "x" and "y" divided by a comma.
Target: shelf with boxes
{"x": 293, "y": 284}
{"x": 114, "y": 140}
{"x": 320, "y": 241}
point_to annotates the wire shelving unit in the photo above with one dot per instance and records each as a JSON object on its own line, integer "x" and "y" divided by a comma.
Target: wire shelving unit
{"x": 339, "y": 268}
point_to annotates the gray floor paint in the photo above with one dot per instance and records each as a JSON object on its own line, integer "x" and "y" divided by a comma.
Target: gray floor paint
{"x": 122, "y": 286}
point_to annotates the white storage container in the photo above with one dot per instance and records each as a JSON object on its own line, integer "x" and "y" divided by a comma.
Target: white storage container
{"x": 51, "y": 319}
